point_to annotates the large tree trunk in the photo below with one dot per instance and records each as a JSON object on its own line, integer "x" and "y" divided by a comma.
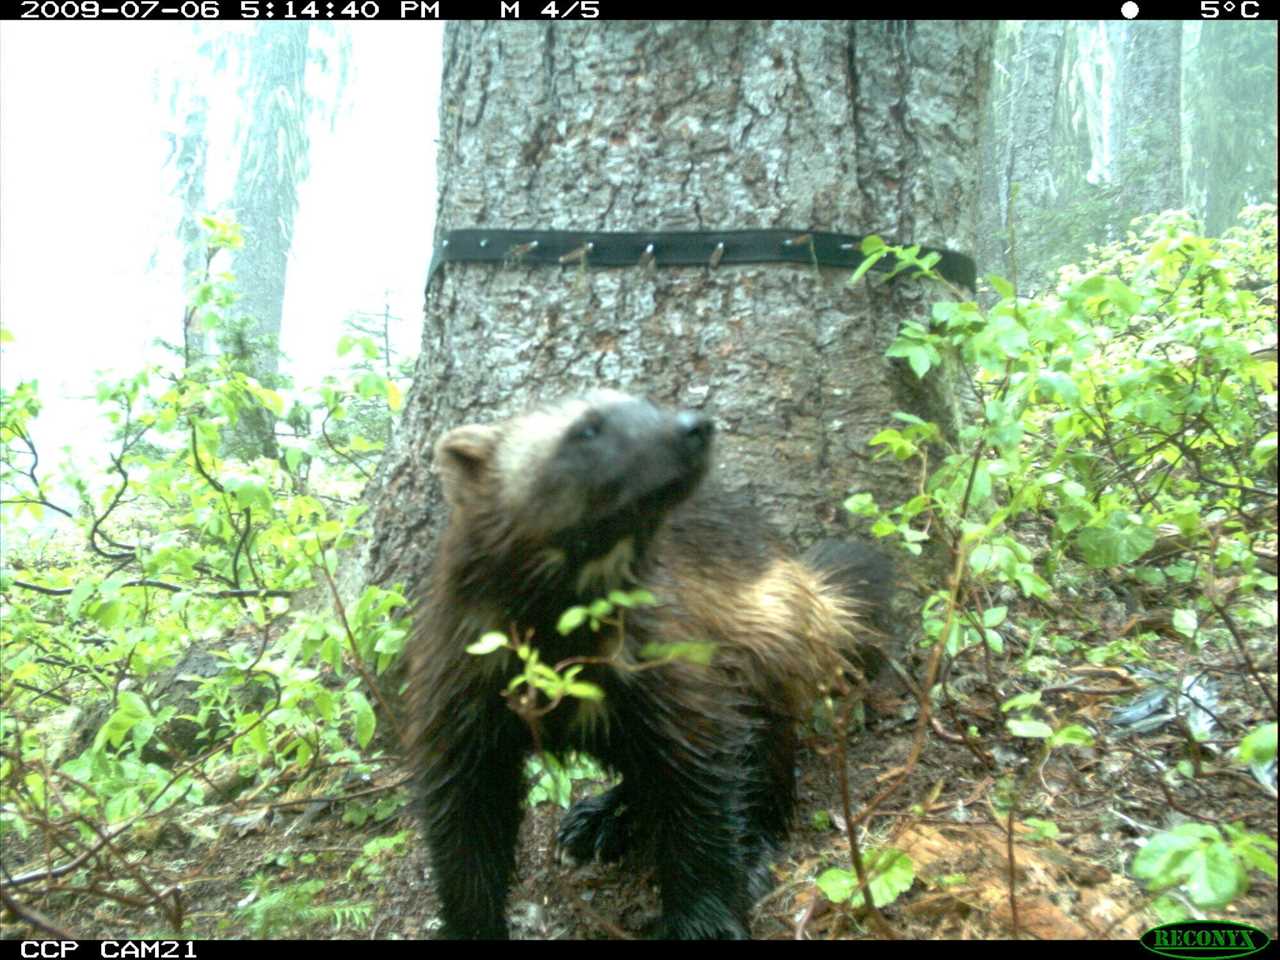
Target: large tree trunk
{"x": 858, "y": 128}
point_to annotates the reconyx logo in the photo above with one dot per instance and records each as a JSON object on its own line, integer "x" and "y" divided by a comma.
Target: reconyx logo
{"x": 1217, "y": 939}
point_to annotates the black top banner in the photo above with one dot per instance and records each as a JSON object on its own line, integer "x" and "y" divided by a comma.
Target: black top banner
{"x": 338, "y": 11}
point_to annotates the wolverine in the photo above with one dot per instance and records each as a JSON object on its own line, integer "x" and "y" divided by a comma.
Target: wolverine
{"x": 556, "y": 508}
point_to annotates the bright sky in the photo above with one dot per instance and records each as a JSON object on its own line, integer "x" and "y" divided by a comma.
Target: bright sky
{"x": 89, "y": 263}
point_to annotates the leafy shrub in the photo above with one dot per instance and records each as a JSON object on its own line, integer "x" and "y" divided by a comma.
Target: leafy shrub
{"x": 170, "y": 647}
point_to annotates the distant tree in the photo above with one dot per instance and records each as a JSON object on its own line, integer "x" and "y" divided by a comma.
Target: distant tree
{"x": 1146, "y": 117}
{"x": 1083, "y": 133}
{"x": 1229, "y": 112}
{"x": 1027, "y": 170}
{"x": 189, "y": 157}
{"x": 269, "y": 66}
{"x": 273, "y": 161}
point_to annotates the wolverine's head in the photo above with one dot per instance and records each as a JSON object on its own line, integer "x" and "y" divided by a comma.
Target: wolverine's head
{"x": 583, "y": 477}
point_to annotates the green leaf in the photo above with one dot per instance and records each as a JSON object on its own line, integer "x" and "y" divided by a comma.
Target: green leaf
{"x": 1214, "y": 877}
{"x": 1258, "y": 748}
{"x": 394, "y": 396}
{"x": 1123, "y": 297}
{"x": 636, "y": 598}
{"x": 326, "y": 706}
{"x": 78, "y": 594}
{"x": 110, "y": 613}
{"x": 1195, "y": 857}
{"x": 1059, "y": 386}
{"x": 129, "y": 710}
{"x": 919, "y": 356}
{"x": 1032, "y": 729}
{"x": 1185, "y": 622}
{"x": 891, "y": 874}
{"x": 1121, "y": 541}
{"x": 120, "y": 805}
{"x": 584, "y": 691}
{"x": 1254, "y": 850}
{"x": 837, "y": 884}
{"x": 490, "y": 642}
{"x": 1022, "y": 701}
{"x": 257, "y": 733}
{"x": 35, "y": 786}
{"x": 571, "y": 620}
{"x": 364, "y": 718}
{"x": 1042, "y": 829}
{"x": 1072, "y": 735}
{"x": 873, "y": 248}
{"x": 1001, "y": 286}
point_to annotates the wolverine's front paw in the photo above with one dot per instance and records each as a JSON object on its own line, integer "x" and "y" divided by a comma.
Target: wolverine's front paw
{"x": 595, "y": 828}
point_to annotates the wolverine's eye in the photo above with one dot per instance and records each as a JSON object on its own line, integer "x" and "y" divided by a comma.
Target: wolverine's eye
{"x": 589, "y": 429}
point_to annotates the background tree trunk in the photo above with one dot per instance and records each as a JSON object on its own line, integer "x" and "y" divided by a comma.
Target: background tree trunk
{"x": 860, "y": 128}
{"x": 1147, "y": 118}
{"x": 273, "y": 161}
{"x": 1229, "y": 118}
{"x": 1023, "y": 154}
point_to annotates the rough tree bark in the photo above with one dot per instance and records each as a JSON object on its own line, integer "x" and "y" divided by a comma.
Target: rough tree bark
{"x": 859, "y": 128}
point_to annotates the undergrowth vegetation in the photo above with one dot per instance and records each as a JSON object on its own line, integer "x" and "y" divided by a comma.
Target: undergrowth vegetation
{"x": 156, "y": 662}
{"x": 178, "y": 658}
{"x": 1119, "y": 441}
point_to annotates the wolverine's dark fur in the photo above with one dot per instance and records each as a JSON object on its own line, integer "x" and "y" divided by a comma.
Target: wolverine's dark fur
{"x": 556, "y": 508}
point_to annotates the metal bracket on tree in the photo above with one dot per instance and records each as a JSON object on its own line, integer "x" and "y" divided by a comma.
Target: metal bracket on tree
{"x": 707, "y": 248}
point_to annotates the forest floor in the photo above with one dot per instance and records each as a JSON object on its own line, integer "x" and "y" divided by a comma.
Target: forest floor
{"x": 316, "y": 879}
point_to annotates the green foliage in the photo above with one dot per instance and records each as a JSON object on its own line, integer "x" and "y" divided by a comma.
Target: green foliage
{"x": 552, "y": 777}
{"x": 603, "y": 610}
{"x": 1209, "y": 868}
{"x": 1120, "y": 428}
{"x": 1259, "y": 748}
{"x": 360, "y": 403}
{"x": 273, "y": 910}
{"x": 138, "y": 669}
{"x": 379, "y": 853}
{"x": 890, "y": 873}
{"x": 1041, "y": 830}
{"x": 536, "y": 688}
{"x": 359, "y": 811}
{"x": 554, "y": 682}
{"x": 1137, "y": 403}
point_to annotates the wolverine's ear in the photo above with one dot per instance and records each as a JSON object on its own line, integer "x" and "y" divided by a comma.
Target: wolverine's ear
{"x": 462, "y": 455}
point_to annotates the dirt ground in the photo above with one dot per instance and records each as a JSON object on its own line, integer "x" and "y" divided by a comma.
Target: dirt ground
{"x": 1103, "y": 800}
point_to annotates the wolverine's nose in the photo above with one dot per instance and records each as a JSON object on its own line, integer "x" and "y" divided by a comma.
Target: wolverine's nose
{"x": 695, "y": 431}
